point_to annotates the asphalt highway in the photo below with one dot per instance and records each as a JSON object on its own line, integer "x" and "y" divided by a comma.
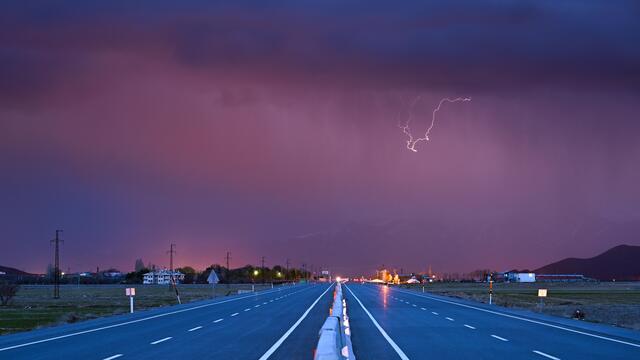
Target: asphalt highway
{"x": 391, "y": 323}
{"x": 275, "y": 324}
{"x": 283, "y": 323}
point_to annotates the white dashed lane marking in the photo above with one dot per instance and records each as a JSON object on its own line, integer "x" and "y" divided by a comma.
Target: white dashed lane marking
{"x": 113, "y": 357}
{"x": 195, "y": 328}
{"x": 450, "y": 319}
{"x": 469, "y": 326}
{"x": 217, "y": 321}
{"x": 498, "y": 337}
{"x": 234, "y": 314}
{"x": 161, "y": 340}
{"x": 546, "y": 355}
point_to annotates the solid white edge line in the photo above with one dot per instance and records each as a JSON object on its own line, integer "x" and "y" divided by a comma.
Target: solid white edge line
{"x": 546, "y": 355}
{"x": 161, "y": 340}
{"x": 137, "y": 320}
{"x": 393, "y": 344}
{"x": 498, "y": 337}
{"x": 525, "y": 319}
{"x": 195, "y": 328}
{"x": 277, "y": 344}
{"x": 113, "y": 357}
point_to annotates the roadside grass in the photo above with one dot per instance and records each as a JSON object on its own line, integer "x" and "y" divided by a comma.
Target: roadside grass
{"x": 612, "y": 303}
{"x": 33, "y": 307}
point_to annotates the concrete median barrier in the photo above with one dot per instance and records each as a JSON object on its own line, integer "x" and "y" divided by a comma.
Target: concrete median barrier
{"x": 334, "y": 341}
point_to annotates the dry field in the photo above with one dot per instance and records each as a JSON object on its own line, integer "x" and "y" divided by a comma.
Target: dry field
{"x": 614, "y": 303}
{"x": 33, "y": 306}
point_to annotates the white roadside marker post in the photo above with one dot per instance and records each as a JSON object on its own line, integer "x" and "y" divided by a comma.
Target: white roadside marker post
{"x": 490, "y": 291}
{"x": 131, "y": 292}
{"x": 542, "y": 293}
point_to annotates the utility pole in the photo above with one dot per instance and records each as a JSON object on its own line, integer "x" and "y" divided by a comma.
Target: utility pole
{"x": 56, "y": 268}
{"x": 172, "y": 250}
{"x": 264, "y": 279}
{"x": 228, "y": 257}
{"x": 304, "y": 270}
{"x": 287, "y": 273}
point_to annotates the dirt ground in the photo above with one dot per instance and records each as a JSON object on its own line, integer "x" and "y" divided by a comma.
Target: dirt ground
{"x": 33, "y": 307}
{"x": 613, "y": 303}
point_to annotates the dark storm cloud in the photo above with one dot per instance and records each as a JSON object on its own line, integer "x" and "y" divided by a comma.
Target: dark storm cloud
{"x": 239, "y": 125}
{"x": 471, "y": 45}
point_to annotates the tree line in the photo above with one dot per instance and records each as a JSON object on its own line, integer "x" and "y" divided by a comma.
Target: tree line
{"x": 245, "y": 274}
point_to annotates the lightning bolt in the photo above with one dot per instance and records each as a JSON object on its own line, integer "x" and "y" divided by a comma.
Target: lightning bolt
{"x": 411, "y": 142}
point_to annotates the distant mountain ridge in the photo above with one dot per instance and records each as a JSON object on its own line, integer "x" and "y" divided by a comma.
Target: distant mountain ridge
{"x": 618, "y": 263}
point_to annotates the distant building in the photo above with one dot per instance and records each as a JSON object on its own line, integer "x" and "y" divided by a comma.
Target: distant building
{"x": 162, "y": 277}
{"x": 520, "y": 277}
{"x": 413, "y": 280}
{"x": 325, "y": 276}
{"x": 112, "y": 274}
{"x": 403, "y": 278}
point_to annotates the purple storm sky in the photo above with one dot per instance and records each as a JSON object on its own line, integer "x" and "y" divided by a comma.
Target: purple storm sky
{"x": 266, "y": 129}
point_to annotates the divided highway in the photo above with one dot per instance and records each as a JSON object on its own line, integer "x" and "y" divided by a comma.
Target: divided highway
{"x": 391, "y": 323}
{"x": 283, "y": 323}
{"x": 276, "y": 324}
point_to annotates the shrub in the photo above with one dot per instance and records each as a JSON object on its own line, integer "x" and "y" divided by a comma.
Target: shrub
{"x": 7, "y": 292}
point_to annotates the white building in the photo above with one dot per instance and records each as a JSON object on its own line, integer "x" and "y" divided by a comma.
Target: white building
{"x": 521, "y": 277}
{"x": 162, "y": 277}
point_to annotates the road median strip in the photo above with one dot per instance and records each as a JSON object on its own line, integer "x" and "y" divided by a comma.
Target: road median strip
{"x": 334, "y": 341}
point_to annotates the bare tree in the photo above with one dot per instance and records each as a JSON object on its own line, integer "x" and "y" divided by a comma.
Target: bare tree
{"x": 7, "y": 292}
{"x": 139, "y": 265}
